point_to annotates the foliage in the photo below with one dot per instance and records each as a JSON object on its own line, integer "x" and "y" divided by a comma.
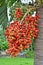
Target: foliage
{"x": 3, "y": 41}
{"x": 29, "y": 53}
{"x": 10, "y": 2}
{"x": 2, "y": 2}
{"x": 3, "y": 45}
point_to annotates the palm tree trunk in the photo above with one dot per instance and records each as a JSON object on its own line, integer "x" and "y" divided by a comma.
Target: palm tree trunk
{"x": 38, "y": 51}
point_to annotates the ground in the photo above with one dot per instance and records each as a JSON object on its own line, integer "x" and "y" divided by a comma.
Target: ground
{"x": 16, "y": 61}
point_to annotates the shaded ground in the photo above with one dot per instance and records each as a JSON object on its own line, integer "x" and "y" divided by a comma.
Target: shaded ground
{"x": 16, "y": 61}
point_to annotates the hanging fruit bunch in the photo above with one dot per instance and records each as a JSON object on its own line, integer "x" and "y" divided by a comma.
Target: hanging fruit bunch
{"x": 21, "y": 31}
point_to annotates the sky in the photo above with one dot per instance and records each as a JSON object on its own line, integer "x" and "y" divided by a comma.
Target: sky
{"x": 26, "y": 1}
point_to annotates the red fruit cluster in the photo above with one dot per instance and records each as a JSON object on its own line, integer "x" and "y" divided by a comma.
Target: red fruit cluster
{"x": 18, "y": 13}
{"x": 19, "y": 35}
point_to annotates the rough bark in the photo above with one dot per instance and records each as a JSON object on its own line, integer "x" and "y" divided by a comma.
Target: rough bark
{"x": 38, "y": 51}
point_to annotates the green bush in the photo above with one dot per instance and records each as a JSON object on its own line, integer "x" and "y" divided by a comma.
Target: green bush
{"x": 3, "y": 41}
{"x": 3, "y": 44}
{"x": 29, "y": 53}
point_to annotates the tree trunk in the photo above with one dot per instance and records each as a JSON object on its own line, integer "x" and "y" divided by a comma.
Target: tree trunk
{"x": 38, "y": 51}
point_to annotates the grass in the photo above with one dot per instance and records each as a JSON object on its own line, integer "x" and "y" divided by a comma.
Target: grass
{"x": 16, "y": 61}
